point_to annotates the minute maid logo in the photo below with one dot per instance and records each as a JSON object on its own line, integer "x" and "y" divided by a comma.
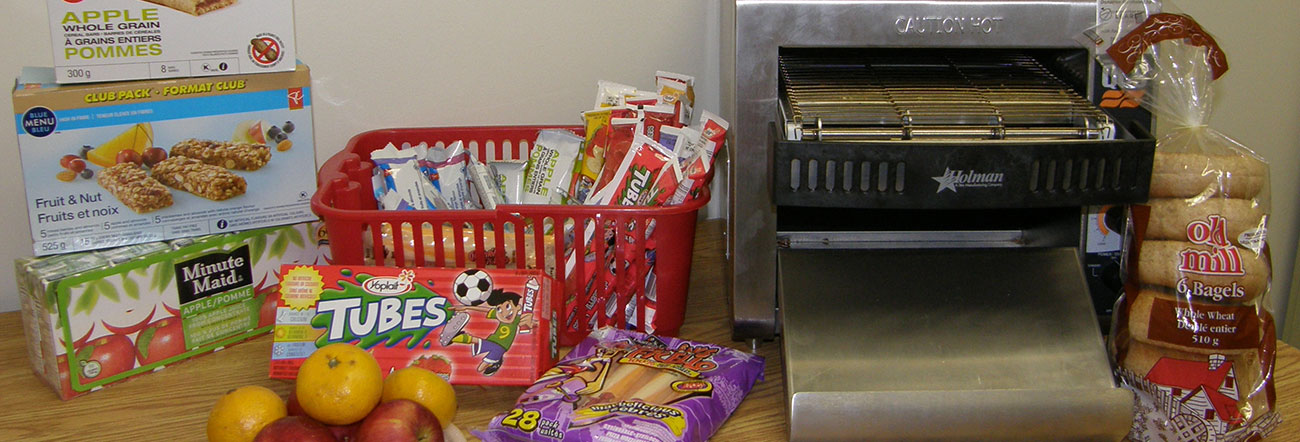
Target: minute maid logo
{"x": 956, "y": 179}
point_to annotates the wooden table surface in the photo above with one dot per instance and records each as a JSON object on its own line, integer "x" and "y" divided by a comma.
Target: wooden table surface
{"x": 173, "y": 404}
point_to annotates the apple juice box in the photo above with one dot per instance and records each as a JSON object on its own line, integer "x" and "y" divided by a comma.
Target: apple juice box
{"x": 95, "y": 318}
{"x": 113, "y": 40}
{"x": 114, "y": 164}
{"x": 471, "y": 326}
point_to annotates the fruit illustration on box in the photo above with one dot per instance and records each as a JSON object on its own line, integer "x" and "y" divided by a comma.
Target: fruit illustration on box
{"x": 160, "y": 340}
{"x": 104, "y": 357}
{"x": 137, "y": 138}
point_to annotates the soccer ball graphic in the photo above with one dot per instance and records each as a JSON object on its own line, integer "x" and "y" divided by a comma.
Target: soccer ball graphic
{"x": 472, "y": 287}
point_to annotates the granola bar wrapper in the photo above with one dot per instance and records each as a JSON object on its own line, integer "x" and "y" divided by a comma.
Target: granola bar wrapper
{"x": 629, "y": 386}
{"x": 1192, "y": 335}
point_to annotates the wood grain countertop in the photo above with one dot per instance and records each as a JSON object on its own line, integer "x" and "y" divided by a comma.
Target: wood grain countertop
{"x": 173, "y": 404}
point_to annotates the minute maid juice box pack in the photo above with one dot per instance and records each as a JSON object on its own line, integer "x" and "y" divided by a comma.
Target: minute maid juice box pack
{"x": 95, "y": 318}
{"x": 472, "y": 326}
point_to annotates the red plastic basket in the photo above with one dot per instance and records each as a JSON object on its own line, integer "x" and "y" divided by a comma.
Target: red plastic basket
{"x": 361, "y": 234}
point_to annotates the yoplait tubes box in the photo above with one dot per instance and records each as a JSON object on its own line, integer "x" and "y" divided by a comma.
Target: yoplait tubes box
{"x": 115, "y": 164}
{"x": 111, "y": 40}
{"x": 472, "y": 326}
{"x": 95, "y": 318}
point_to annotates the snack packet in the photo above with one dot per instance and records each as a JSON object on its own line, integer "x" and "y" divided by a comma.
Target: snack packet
{"x": 1192, "y": 335}
{"x": 510, "y": 179}
{"x": 677, "y": 90}
{"x": 399, "y": 183}
{"x": 550, "y": 164}
{"x": 611, "y": 94}
{"x": 634, "y": 181}
{"x": 619, "y": 141}
{"x": 624, "y": 385}
{"x": 587, "y": 168}
{"x": 655, "y": 118}
{"x": 484, "y": 185}
{"x": 450, "y": 174}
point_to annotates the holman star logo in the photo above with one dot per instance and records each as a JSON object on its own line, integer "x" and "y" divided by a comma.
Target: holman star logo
{"x": 953, "y": 179}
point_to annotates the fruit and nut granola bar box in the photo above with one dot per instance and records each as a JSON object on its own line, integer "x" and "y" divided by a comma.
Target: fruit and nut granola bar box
{"x": 115, "y": 164}
{"x": 471, "y": 326}
{"x": 95, "y": 318}
{"x": 112, "y": 40}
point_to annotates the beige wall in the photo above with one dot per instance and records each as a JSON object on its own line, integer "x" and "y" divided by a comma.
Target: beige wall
{"x": 440, "y": 63}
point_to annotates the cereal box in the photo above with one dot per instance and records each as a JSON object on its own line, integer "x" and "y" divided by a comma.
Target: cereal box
{"x": 115, "y": 164}
{"x": 111, "y": 40}
{"x": 95, "y": 318}
{"x": 472, "y": 326}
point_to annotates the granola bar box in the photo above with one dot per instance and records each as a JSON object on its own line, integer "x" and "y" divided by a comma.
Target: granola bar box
{"x": 96, "y": 318}
{"x": 114, "y": 164}
{"x": 114, "y": 40}
{"x": 471, "y": 326}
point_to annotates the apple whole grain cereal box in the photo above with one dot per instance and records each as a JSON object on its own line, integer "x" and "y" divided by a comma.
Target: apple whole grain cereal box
{"x": 471, "y": 326}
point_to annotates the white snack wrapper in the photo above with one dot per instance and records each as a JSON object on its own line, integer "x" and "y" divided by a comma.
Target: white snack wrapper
{"x": 510, "y": 179}
{"x": 452, "y": 166}
{"x": 550, "y": 167}
{"x": 484, "y": 185}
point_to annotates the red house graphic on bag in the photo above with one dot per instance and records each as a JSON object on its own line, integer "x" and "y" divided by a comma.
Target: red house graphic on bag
{"x": 1202, "y": 395}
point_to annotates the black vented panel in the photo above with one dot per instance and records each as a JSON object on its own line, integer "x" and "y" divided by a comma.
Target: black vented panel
{"x": 961, "y": 175}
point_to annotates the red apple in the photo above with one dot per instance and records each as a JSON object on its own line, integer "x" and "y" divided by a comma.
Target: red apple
{"x": 295, "y": 429}
{"x": 160, "y": 340}
{"x": 400, "y": 420}
{"x": 345, "y": 433}
{"x": 295, "y": 408}
{"x": 104, "y": 357}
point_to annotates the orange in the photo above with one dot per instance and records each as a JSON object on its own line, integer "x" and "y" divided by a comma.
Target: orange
{"x": 339, "y": 384}
{"x": 426, "y": 388}
{"x": 242, "y": 412}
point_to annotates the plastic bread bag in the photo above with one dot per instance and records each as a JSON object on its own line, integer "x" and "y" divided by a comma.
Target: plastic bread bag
{"x": 1192, "y": 335}
{"x": 628, "y": 386}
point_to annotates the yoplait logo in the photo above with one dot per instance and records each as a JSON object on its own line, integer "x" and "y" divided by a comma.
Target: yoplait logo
{"x": 381, "y": 309}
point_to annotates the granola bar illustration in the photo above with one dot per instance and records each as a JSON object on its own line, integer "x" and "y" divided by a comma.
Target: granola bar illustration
{"x": 238, "y": 156}
{"x": 199, "y": 178}
{"x": 194, "y": 7}
{"x": 134, "y": 188}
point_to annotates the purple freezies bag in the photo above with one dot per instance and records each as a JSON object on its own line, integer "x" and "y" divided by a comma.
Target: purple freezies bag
{"x": 624, "y": 385}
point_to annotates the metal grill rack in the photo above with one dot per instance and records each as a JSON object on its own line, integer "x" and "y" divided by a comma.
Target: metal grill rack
{"x": 961, "y": 95}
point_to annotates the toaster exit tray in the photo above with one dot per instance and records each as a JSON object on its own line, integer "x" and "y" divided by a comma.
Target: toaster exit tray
{"x": 945, "y": 344}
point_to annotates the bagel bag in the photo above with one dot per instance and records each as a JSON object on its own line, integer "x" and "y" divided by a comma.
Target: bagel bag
{"x": 1192, "y": 335}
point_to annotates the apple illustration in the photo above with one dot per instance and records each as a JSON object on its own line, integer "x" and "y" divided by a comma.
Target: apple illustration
{"x": 104, "y": 357}
{"x": 126, "y": 317}
{"x": 269, "y": 306}
{"x": 400, "y": 420}
{"x": 160, "y": 340}
{"x": 295, "y": 428}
